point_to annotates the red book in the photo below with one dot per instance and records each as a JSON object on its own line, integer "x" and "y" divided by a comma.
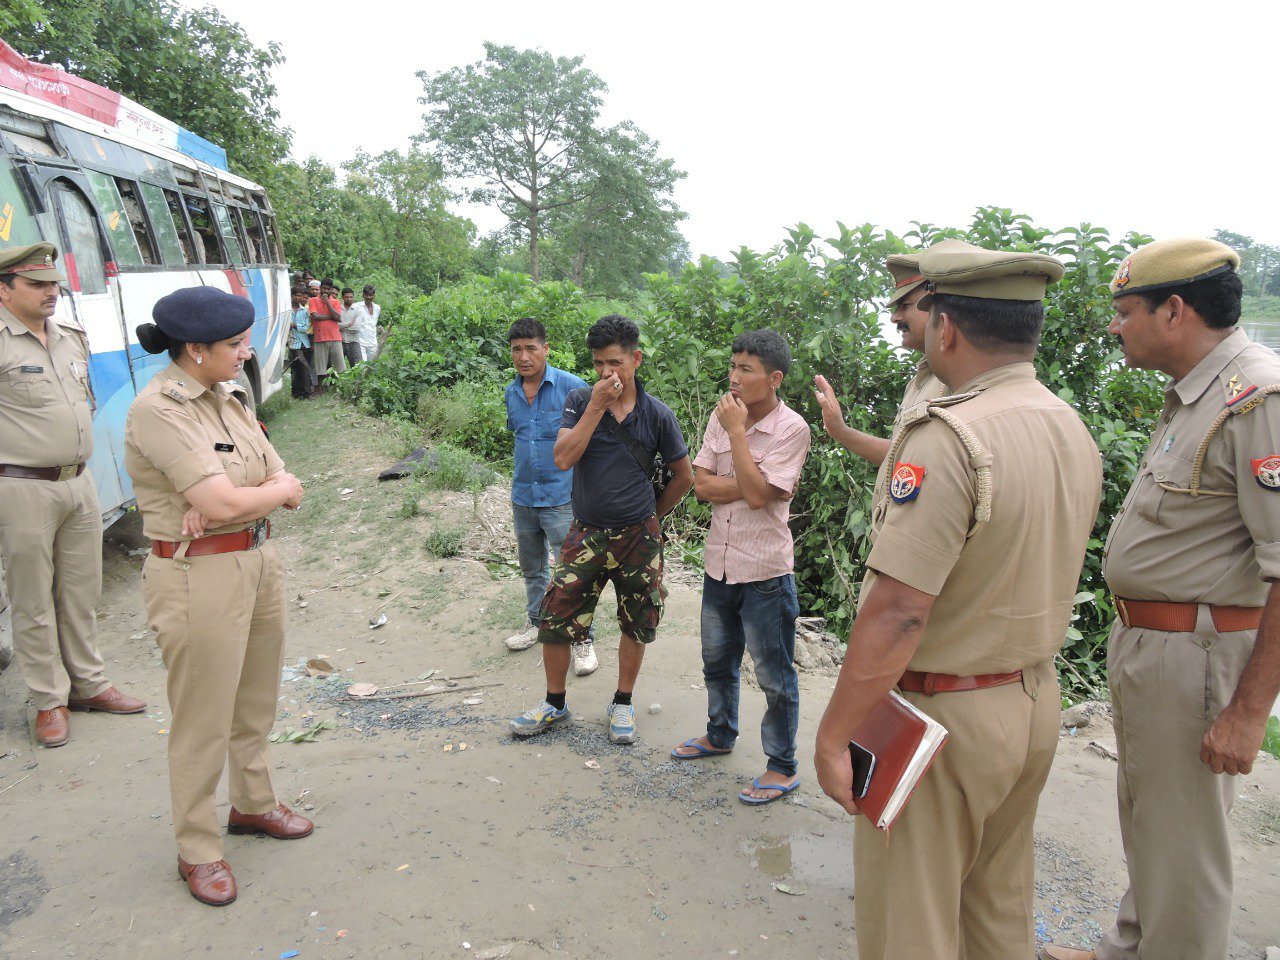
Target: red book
{"x": 903, "y": 741}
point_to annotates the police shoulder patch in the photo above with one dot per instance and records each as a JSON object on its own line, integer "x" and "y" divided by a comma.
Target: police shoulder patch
{"x": 905, "y": 483}
{"x": 1266, "y": 470}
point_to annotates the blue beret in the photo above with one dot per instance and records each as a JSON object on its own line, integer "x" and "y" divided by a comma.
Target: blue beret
{"x": 202, "y": 315}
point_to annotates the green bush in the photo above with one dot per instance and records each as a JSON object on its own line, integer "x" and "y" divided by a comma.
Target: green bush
{"x": 445, "y": 542}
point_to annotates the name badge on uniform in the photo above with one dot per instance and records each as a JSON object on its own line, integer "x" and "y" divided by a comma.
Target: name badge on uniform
{"x": 32, "y": 368}
{"x": 225, "y": 447}
{"x": 905, "y": 483}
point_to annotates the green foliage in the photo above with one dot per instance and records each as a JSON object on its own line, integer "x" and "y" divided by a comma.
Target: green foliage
{"x": 450, "y": 349}
{"x": 1271, "y": 741}
{"x": 453, "y": 468}
{"x": 446, "y": 541}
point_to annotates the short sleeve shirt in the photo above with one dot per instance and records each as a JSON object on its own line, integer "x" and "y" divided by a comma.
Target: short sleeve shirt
{"x": 1004, "y": 587}
{"x": 177, "y": 434}
{"x": 746, "y": 545}
{"x": 1222, "y": 546}
{"x": 536, "y": 480}
{"x": 324, "y": 331}
{"x": 46, "y": 417}
{"x": 610, "y": 489}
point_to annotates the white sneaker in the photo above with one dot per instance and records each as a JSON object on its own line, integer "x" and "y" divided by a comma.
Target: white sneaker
{"x": 584, "y": 658}
{"x": 523, "y": 640}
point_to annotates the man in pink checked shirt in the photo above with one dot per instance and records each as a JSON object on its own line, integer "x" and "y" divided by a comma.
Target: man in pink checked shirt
{"x": 748, "y": 469}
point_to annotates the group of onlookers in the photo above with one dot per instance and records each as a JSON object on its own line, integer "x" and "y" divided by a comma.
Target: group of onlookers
{"x": 330, "y": 332}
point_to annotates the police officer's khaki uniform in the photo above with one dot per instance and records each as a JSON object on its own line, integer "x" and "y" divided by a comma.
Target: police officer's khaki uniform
{"x": 996, "y": 530}
{"x": 1201, "y": 524}
{"x": 219, "y": 619}
{"x": 50, "y": 530}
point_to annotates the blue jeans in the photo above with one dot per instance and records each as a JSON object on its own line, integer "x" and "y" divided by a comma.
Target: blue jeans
{"x": 539, "y": 532}
{"x": 758, "y": 617}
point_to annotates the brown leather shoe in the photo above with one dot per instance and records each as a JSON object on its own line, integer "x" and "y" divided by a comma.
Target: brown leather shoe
{"x": 1053, "y": 952}
{"x": 210, "y": 883}
{"x": 109, "y": 700}
{"x": 53, "y": 727}
{"x": 280, "y": 823}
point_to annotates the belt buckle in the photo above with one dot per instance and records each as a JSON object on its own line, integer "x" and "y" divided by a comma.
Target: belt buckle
{"x": 1123, "y": 609}
{"x": 68, "y": 473}
{"x": 259, "y": 534}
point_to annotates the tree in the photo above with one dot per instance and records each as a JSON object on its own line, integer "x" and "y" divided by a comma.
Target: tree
{"x": 421, "y": 241}
{"x": 627, "y": 223}
{"x": 520, "y": 121}
{"x": 194, "y": 67}
{"x": 1259, "y": 263}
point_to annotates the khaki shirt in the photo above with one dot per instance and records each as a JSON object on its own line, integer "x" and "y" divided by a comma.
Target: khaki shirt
{"x": 172, "y": 439}
{"x": 1222, "y": 546}
{"x": 924, "y": 386}
{"x": 46, "y": 418}
{"x": 1005, "y": 587}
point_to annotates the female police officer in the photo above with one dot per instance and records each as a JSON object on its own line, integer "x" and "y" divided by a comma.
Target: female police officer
{"x": 215, "y": 597}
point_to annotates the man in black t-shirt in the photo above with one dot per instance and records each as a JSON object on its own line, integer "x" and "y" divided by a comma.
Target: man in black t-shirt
{"x": 615, "y": 535}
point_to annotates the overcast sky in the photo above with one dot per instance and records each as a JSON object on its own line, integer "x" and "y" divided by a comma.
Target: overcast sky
{"x": 1151, "y": 116}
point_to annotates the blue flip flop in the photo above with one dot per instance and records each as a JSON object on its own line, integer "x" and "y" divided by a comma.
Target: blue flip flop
{"x": 757, "y": 801}
{"x": 702, "y": 751}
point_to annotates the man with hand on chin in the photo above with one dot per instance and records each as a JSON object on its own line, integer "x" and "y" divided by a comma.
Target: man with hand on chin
{"x": 748, "y": 468}
{"x": 605, "y": 433}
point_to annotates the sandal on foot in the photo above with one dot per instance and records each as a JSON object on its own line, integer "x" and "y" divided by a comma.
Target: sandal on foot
{"x": 761, "y": 801}
{"x": 702, "y": 751}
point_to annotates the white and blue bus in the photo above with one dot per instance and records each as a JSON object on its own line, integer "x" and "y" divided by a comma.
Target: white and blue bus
{"x": 137, "y": 207}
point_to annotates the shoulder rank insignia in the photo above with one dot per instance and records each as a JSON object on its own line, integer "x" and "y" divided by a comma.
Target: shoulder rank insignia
{"x": 1243, "y": 399}
{"x": 905, "y": 483}
{"x": 1267, "y": 472}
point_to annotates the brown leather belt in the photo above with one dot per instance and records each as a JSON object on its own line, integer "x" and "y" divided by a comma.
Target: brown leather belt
{"x": 1181, "y": 617}
{"x": 913, "y": 681}
{"x": 41, "y": 473}
{"x": 249, "y": 539}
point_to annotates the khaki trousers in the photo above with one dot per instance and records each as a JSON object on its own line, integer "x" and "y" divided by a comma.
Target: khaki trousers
{"x": 51, "y": 544}
{"x": 954, "y": 878}
{"x": 1166, "y": 690}
{"x": 219, "y": 621}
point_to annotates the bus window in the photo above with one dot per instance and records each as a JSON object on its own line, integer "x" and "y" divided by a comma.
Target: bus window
{"x": 81, "y": 238}
{"x": 208, "y": 249}
{"x": 17, "y": 227}
{"x": 166, "y": 234}
{"x": 229, "y": 233}
{"x": 273, "y": 237}
{"x": 28, "y": 134}
{"x": 251, "y": 231}
{"x": 119, "y": 229}
{"x": 184, "y": 230}
{"x": 141, "y": 229}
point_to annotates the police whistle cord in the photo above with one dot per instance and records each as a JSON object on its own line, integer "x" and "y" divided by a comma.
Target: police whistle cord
{"x": 1197, "y": 465}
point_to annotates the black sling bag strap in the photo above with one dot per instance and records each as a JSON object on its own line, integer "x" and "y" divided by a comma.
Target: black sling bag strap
{"x": 650, "y": 465}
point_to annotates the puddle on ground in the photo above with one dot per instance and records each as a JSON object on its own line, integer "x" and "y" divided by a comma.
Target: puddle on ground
{"x": 811, "y": 857}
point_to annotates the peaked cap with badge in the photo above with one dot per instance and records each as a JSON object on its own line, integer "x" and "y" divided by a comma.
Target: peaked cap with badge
{"x": 964, "y": 270}
{"x": 905, "y": 268}
{"x": 1172, "y": 263}
{"x": 34, "y": 261}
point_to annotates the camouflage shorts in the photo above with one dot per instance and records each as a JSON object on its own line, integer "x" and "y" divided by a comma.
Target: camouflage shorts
{"x": 590, "y": 557}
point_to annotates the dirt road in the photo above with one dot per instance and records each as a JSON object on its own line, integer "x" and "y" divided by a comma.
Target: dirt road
{"x": 425, "y": 849}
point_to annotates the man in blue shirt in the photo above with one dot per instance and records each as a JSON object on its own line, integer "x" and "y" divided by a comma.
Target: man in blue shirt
{"x": 299, "y": 344}
{"x": 539, "y": 489}
{"x": 616, "y": 534}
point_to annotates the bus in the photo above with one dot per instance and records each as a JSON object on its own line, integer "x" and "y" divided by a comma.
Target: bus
{"x": 138, "y": 207}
